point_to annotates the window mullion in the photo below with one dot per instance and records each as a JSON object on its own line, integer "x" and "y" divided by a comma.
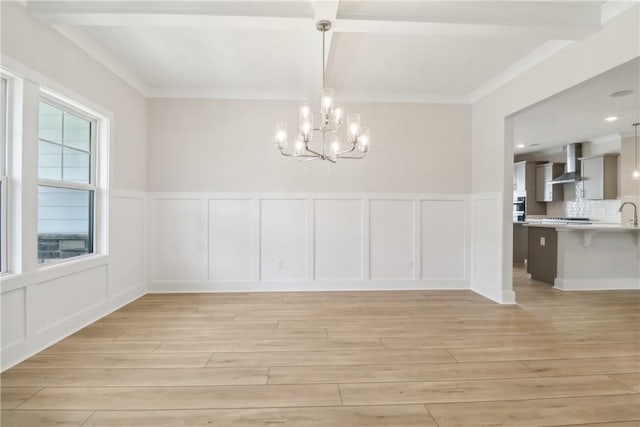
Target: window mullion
{"x": 66, "y": 184}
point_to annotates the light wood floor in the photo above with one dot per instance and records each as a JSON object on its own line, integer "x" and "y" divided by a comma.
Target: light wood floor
{"x": 368, "y": 359}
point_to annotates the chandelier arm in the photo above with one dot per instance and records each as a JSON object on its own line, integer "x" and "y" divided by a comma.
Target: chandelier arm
{"x": 352, "y": 157}
{"x": 309, "y": 159}
{"x": 312, "y": 151}
{"x": 294, "y": 155}
{"x": 353, "y": 147}
{"x": 286, "y": 154}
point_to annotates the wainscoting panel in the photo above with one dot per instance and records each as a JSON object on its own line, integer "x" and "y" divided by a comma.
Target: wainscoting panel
{"x": 13, "y": 317}
{"x": 443, "y": 236}
{"x": 85, "y": 290}
{"x": 338, "y": 239}
{"x": 178, "y": 233}
{"x": 391, "y": 240}
{"x": 127, "y": 244}
{"x": 230, "y": 239}
{"x": 45, "y": 305}
{"x": 283, "y": 237}
{"x": 237, "y": 242}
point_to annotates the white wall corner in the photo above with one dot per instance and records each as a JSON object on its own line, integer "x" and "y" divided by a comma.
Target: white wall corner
{"x": 37, "y": 342}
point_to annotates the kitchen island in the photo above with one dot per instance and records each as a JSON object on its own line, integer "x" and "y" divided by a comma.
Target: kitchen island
{"x": 592, "y": 256}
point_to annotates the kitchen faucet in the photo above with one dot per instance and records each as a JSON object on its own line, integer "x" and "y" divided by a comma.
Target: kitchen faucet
{"x": 635, "y": 212}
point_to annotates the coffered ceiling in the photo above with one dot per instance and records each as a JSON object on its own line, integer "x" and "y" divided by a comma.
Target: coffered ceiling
{"x": 423, "y": 51}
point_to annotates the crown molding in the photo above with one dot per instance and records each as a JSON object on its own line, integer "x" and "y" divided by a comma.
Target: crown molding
{"x": 100, "y": 54}
{"x": 229, "y": 94}
{"x": 299, "y": 95}
{"x": 613, "y": 8}
{"x": 613, "y": 137}
{"x": 534, "y": 58}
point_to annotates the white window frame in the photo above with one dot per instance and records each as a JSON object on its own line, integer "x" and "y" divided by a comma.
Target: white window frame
{"x": 4, "y": 180}
{"x": 72, "y": 108}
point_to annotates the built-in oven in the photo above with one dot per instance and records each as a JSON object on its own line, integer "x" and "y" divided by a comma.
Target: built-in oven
{"x": 519, "y": 208}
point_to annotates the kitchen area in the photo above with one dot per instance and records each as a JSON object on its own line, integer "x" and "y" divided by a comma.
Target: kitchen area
{"x": 576, "y": 186}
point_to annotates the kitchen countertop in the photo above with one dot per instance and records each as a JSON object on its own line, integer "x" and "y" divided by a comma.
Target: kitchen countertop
{"x": 588, "y": 230}
{"x": 578, "y": 227}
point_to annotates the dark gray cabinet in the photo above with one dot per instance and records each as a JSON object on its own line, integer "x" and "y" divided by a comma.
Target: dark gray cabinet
{"x": 520, "y": 243}
{"x": 542, "y": 256}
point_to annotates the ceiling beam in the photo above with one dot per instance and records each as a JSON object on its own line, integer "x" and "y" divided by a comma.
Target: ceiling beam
{"x": 323, "y": 10}
{"x": 541, "y": 31}
{"x": 136, "y": 20}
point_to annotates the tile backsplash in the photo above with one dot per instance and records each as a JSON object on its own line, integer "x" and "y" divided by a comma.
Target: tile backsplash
{"x": 575, "y": 205}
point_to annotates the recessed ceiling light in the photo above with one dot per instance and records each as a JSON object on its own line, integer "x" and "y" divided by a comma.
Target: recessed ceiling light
{"x": 621, "y": 93}
{"x": 612, "y": 118}
{"x": 520, "y": 146}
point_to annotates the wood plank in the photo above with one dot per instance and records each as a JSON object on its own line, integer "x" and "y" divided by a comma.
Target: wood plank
{"x": 192, "y": 334}
{"x": 541, "y": 412}
{"x": 431, "y": 331}
{"x": 133, "y": 377}
{"x": 124, "y": 360}
{"x": 271, "y": 345}
{"x": 11, "y": 397}
{"x": 467, "y": 391}
{"x": 75, "y": 346}
{"x": 472, "y": 339}
{"x": 44, "y": 418}
{"x": 545, "y": 352}
{"x": 156, "y": 398}
{"x": 390, "y": 373}
{"x": 632, "y": 380}
{"x": 368, "y": 416}
{"x": 319, "y": 358}
{"x": 590, "y": 366}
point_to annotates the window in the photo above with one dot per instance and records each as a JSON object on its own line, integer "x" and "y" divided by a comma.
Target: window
{"x": 66, "y": 181}
{"x": 4, "y": 118}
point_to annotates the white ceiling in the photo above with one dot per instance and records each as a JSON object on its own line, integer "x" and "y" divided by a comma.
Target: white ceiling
{"x": 578, "y": 114}
{"x": 423, "y": 51}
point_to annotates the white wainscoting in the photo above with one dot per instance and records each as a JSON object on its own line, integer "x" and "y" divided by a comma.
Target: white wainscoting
{"x": 486, "y": 243}
{"x": 226, "y": 242}
{"x": 41, "y": 307}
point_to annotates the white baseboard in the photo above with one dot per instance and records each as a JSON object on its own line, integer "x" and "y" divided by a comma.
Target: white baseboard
{"x": 596, "y": 284}
{"x": 33, "y": 344}
{"x": 500, "y": 296}
{"x": 308, "y": 286}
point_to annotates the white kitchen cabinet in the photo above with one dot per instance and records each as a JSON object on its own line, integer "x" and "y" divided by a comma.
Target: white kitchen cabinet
{"x": 600, "y": 177}
{"x": 524, "y": 185}
{"x": 546, "y": 192}
{"x": 519, "y": 179}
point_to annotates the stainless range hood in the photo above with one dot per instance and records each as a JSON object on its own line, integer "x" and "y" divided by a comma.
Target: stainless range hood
{"x": 572, "y": 168}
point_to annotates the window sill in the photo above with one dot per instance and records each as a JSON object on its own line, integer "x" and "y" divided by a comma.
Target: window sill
{"x": 52, "y": 271}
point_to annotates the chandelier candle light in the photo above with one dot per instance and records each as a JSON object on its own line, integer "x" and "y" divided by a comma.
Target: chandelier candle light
{"x": 331, "y": 120}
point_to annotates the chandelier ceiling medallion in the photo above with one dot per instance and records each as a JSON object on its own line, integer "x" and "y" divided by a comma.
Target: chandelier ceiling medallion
{"x": 322, "y": 142}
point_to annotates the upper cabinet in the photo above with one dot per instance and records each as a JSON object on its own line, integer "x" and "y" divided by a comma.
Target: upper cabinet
{"x": 519, "y": 178}
{"x": 524, "y": 185}
{"x": 545, "y": 191}
{"x": 600, "y": 177}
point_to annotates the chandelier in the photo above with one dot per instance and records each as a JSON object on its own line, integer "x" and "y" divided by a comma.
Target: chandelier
{"x": 322, "y": 142}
